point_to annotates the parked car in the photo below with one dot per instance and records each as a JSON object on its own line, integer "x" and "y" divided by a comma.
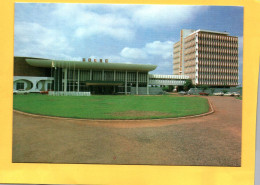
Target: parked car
{"x": 20, "y": 91}
{"x": 44, "y": 92}
{"x": 218, "y": 94}
{"x": 189, "y": 92}
{"x": 229, "y": 94}
{"x": 203, "y": 94}
{"x": 182, "y": 93}
{"x": 236, "y": 94}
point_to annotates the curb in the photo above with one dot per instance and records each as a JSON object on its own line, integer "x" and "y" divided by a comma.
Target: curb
{"x": 211, "y": 111}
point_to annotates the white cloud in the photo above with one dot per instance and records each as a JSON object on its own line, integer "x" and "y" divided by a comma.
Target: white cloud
{"x": 163, "y": 49}
{"x": 87, "y": 23}
{"x": 163, "y": 67}
{"x": 156, "y": 48}
{"x": 32, "y": 39}
{"x": 159, "y": 53}
{"x": 118, "y": 59}
{"x": 163, "y": 15}
{"x": 133, "y": 53}
{"x": 116, "y": 33}
{"x": 122, "y": 21}
{"x": 107, "y": 24}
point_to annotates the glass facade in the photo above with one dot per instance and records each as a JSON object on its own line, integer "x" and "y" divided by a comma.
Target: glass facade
{"x": 97, "y": 81}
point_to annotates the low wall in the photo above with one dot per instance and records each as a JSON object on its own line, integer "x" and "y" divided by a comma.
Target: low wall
{"x": 61, "y": 93}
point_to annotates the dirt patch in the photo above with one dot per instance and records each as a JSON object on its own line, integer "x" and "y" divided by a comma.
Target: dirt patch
{"x": 134, "y": 113}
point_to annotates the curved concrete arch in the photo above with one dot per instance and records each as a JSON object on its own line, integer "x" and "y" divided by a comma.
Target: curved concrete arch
{"x": 33, "y": 81}
{"x": 28, "y": 85}
{"x": 40, "y": 85}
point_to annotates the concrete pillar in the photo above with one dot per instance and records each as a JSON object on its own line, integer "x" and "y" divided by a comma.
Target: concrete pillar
{"x": 136, "y": 83}
{"x": 65, "y": 79}
{"x": 114, "y": 80}
{"x": 114, "y": 75}
{"x": 57, "y": 79}
{"x": 103, "y": 75}
{"x": 78, "y": 79}
{"x": 125, "y": 82}
{"x": 90, "y": 74}
{"x": 43, "y": 85}
{"x": 34, "y": 82}
{"x": 147, "y": 88}
{"x": 73, "y": 76}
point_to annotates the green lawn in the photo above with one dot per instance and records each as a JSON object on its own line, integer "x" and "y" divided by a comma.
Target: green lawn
{"x": 111, "y": 107}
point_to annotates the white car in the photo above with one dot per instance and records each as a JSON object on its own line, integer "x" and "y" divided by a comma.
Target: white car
{"x": 20, "y": 91}
{"x": 218, "y": 94}
{"x": 228, "y": 94}
{"x": 236, "y": 94}
{"x": 182, "y": 93}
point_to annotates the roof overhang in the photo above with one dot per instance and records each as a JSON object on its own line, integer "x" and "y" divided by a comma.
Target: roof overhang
{"x": 216, "y": 32}
{"x": 90, "y": 65}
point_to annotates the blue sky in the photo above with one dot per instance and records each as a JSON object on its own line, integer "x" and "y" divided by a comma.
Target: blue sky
{"x": 121, "y": 33}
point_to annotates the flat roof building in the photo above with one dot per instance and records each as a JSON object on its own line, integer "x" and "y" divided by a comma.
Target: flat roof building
{"x": 207, "y": 57}
{"x": 97, "y": 77}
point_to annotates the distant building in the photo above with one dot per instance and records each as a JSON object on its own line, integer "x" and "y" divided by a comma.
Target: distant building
{"x": 207, "y": 57}
{"x": 36, "y": 75}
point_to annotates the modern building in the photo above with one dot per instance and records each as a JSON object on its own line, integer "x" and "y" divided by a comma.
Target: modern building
{"x": 97, "y": 77}
{"x": 207, "y": 57}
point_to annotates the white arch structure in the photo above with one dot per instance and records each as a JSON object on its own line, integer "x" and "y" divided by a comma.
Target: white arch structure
{"x": 34, "y": 80}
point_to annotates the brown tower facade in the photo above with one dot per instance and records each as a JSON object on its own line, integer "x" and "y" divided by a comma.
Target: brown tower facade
{"x": 208, "y": 58}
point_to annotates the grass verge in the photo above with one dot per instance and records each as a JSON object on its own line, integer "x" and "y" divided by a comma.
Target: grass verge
{"x": 111, "y": 107}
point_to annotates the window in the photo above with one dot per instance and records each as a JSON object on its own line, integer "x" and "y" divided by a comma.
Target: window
{"x": 19, "y": 85}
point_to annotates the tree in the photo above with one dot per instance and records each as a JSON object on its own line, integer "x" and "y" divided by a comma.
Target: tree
{"x": 224, "y": 91}
{"x": 204, "y": 87}
{"x": 188, "y": 84}
{"x": 212, "y": 90}
{"x": 165, "y": 88}
{"x": 170, "y": 88}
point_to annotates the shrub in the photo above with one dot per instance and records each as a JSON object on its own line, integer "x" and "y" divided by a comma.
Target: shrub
{"x": 204, "y": 87}
{"x": 212, "y": 90}
{"x": 188, "y": 84}
{"x": 224, "y": 91}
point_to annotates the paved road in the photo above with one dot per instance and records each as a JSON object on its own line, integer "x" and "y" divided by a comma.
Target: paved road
{"x": 213, "y": 140}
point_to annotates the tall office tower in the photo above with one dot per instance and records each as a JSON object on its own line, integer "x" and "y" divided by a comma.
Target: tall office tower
{"x": 178, "y": 54}
{"x": 207, "y": 57}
